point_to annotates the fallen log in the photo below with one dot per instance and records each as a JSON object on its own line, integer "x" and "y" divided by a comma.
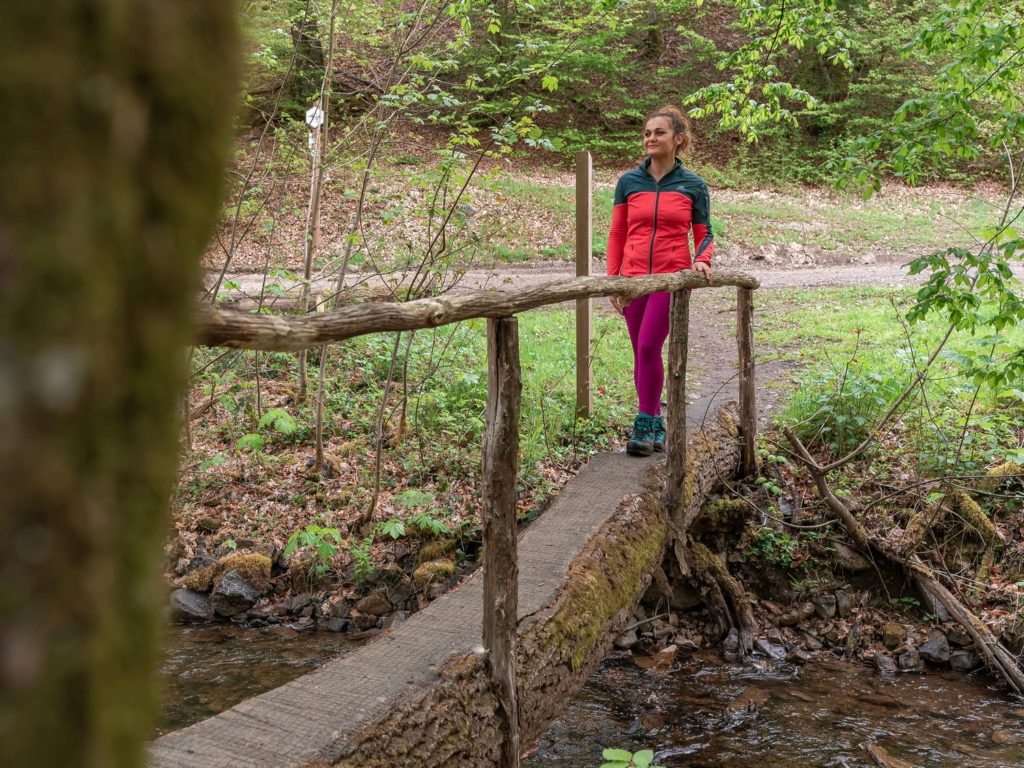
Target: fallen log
{"x": 999, "y": 659}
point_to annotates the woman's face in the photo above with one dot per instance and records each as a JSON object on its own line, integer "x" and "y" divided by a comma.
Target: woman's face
{"x": 659, "y": 138}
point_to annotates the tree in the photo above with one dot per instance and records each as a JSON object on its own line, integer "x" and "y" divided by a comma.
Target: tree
{"x": 117, "y": 116}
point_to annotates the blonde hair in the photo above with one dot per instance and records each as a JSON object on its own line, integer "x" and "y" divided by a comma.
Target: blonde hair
{"x": 680, "y": 124}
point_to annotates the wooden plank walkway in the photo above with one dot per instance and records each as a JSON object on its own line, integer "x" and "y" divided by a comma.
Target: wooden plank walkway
{"x": 312, "y": 718}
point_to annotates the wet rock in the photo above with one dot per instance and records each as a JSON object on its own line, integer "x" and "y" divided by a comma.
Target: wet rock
{"x": 936, "y": 649}
{"x": 774, "y": 635}
{"x": 374, "y": 604}
{"x": 959, "y": 638}
{"x": 307, "y": 612}
{"x": 626, "y": 640}
{"x": 303, "y": 624}
{"x": 686, "y": 645}
{"x": 844, "y": 603}
{"x": 337, "y": 624}
{"x": 964, "y": 661}
{"x": 770, "y": 650}
{"x": 187, "y": 605}
{"x": 731, "y": 644}
{"x": 362, "y": 622}
{"x": 396, "y": 618}
{"x": 824, "y": 605}
{"x": 663, "y": 659}
{"x": 885, "y": 664}
{"x": 892, "y": 635}
{"x": 909, "y": 661}
{"x": 233, "y": 595}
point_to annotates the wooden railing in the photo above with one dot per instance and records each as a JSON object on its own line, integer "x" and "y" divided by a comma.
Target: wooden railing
{"x": 222, "y": 327}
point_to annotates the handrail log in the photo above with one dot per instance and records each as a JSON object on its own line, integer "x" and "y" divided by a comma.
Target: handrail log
{"x": 242, "y": 330}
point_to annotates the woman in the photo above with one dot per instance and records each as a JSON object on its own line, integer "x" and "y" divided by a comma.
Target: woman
{"x": 657, "y": 205}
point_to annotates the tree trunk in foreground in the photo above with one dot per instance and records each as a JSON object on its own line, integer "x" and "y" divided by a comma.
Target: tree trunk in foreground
{"x": 116, "y": 124}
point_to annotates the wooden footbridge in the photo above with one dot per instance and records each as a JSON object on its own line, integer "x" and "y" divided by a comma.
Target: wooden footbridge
{"x": 485, "y": 667}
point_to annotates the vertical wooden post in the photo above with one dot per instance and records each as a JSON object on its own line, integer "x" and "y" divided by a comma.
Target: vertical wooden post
{"x": 748, "y": 406}
{"x": 501, "y": 567}
{"x": 584, "y": 251}
{"x": 676, "y": 411}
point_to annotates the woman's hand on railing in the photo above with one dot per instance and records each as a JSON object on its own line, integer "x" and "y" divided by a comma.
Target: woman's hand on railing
{"x": 619, "y": 303}
{"x": 704, "y": 269}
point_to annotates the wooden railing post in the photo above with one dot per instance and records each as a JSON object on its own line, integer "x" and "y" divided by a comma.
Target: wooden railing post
{"x": 676, "y": 411}
{"x": 748, "y": 405}
{"x": 584, "y": 250}
{"x": 501, "y": 567}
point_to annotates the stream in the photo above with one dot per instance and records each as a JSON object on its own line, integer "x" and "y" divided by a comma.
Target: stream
{"x": 700, "y": 712}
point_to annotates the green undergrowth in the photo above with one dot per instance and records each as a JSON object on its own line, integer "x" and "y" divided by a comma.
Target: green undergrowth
{"x": 857, "y": 354}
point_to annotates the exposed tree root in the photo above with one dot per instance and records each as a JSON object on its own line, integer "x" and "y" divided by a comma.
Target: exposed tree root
{"x": 728, "y": 603}
{"x": 998, "y": 658}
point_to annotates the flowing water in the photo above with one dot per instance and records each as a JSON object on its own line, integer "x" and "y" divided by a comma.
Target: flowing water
{"x": 208, "y": 669}
{"x": 703, "y": 712}
{"x": 700, "y": 712}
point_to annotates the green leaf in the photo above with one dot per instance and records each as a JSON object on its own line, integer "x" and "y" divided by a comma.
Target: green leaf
{"x": 550, "y": 83}
{"x": 250, "y": 442}
{"x": 611, "y": 753}
{"x": 643, "y": 758}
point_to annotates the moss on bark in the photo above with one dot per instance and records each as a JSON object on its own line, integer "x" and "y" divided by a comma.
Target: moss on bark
{"x": 117, "y": 116}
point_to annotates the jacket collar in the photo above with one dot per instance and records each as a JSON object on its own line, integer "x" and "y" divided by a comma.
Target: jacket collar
{"x": 645, "y": 166}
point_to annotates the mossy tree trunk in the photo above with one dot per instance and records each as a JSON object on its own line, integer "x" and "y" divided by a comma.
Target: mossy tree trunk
{"x": 117, "y": 117}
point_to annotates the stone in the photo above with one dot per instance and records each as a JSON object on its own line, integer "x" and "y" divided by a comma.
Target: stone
{"x": 233, "y": 595}
{"x": 798, "y": 656}
{"x": 959, "y": 638}
{"x": 187, "y": 605}
{"x": 824, "y": 605}
{"x": 626, "y": 640}
{"x": 813, "y": 642}
{"x": 208, "y": 524}
{"x": 796, "y": 615}
{"x": 909, "y": 661}
{"x": 1007, "y": 738}
{"x": 936, "y": 649}
{"x": 181, "y": 566}
{"x": 663, "y": 659}
{"x": 892, "y": 635}
{"x": 394, "y": 619}
{"x": 299, "y": 602}
{"x": 850, "y": 559}
{"x": 885, "y": 664}
{"x": 844, "y": 603}
{"x": 774, "y": 635}
{"x": 374, "y": 604}
{"x": 341, "y": 610}
{"x": 731, "y": 644}
{"x": 770, "y": 650}
{"x": 686, "y": 645}
{"x": 337, "y": 624}
{"x": 964, "y": 661}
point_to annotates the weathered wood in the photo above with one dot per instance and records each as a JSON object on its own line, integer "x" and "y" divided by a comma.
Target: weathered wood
{"x": 224, "y": 327}
{"x": 748, "y": 405}
{"x": 584, "y": 252}
{"x": 675, "y": 442}
{"x": 501, "y": 566}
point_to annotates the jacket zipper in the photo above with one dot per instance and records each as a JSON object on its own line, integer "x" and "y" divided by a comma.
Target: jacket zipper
{"x": 654, "y": 228}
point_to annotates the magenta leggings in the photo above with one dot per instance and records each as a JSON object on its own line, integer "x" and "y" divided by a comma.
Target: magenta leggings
{"x": 647, "y": 319}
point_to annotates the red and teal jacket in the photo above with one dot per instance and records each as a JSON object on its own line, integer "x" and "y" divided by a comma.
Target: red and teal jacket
{"x": 651, "y": 222}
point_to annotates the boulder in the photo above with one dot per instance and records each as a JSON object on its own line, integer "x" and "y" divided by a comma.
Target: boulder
{"x": 936, "y": 649}
{"x": 964, "y": 661}
{"x": 844, "y": 603}
{"x": 374, "y": 604}
{"x": 909, "y": 660}
{"x": 824, "y": 605}
{"x": 892, "y": 635}
{"x": 626, "y": 640}
{"x": 187, "y": 605}
{"x": 885, "y": 664}
{"x": 233, "y": 595}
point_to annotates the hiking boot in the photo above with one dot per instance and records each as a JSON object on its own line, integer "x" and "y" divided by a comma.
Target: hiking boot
{"x": 641, "y": 443}
{"x": 658, "y": 437}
